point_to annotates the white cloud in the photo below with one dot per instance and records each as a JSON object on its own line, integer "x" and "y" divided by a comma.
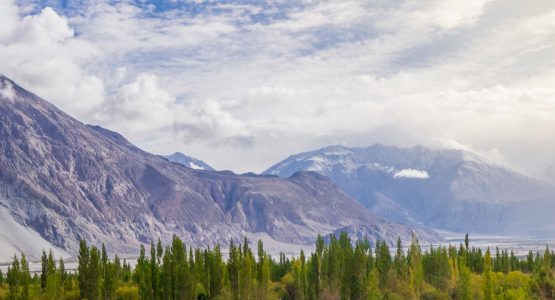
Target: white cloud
{"x": 448, "y": 14}
{"x": 141, "y": 106}
{"x": 41, "y": 53}
{"x": 411, "y": 173}
{"x": 242, "y": 92}
{"x": 206, "y": 121}
{"x": 7, "y": 91}
{"x": 9, "y": 16}
{"x": 44, "y": 28}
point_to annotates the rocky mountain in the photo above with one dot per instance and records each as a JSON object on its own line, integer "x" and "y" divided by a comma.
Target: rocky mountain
{"x": 447, "y": 189}
{"x": 65, "y": 180}
{"x": 190, "y": 162}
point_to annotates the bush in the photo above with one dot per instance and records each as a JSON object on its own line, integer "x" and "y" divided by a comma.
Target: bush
{"x": 433, "y": 294}
{"x": 517, "y": 279}
{"x": 392, "y": 296}
{"x": 72, "y": 295}
{"x": 127, "y": 292}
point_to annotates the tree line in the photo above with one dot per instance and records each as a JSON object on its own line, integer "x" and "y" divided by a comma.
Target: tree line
{"x": 339, "y": 268}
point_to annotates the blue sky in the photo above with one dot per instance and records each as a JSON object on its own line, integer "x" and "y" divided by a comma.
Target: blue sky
{"x": 243, "y": 84}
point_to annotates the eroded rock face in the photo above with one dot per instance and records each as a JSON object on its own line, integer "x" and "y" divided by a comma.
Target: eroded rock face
{"x": 67, "y": 180}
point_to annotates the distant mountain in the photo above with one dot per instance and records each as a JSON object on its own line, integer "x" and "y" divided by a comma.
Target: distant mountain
{"x": 190, "y": 162}
{"x": 447, "y": 189}
{"x": 62, "y": 180}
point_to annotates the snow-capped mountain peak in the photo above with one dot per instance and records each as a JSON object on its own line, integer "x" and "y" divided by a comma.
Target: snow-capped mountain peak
{"x": 430, "y": 186}
{"x": 188, "y": 161}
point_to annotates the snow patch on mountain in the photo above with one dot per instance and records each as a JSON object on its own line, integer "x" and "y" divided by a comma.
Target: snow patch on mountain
{"x": 192, "y": 165}
{"x": 411, "y": 173}
{"x": 451, "y": 189}
{"x": 187, "y": 161}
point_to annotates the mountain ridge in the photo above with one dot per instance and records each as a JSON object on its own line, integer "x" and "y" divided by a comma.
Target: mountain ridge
{"x": 67, "y": 180}
{"x": 441, "y": 188}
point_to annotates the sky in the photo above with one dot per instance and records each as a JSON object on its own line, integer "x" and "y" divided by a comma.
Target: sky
{"x": 244, "y": 84}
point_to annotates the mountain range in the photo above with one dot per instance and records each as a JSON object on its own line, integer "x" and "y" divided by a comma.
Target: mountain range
{"x": 188, "y": 161}
{"x": 446, "y": 189}
{"x": 62, "y": 180}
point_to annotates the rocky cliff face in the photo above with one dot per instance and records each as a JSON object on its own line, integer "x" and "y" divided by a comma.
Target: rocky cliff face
{"x": 67, "y": 180}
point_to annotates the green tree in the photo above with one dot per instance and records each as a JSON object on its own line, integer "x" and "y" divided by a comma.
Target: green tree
{"x": 13, "y": 278}
{"x": 358, "y": 272}
{"x": 166, "y": 274}
{"x": 383, "y": 262}
{"x": 217, "y": 269}
{"x": 313, "y": 274}
{"x": 141, "y": 276}
{"x": 373, "y": 284}
{"x": 93, "y": 274}
{"x": 346, "y": 265}
{"x": 233, "y": 267}
{"x": 416, "y": 269}
{"x": 487, "y": 280}
{"x": 400, "y": 262}
{"x": 44, "y": 270}
{"x": 263, "y": 272}
{"x": 180, "y": 270}
{"x": 464, "y": 284}
{"x": 25, "y": 277}
{"x": 54, "y": 286}
{"x": 153, "y": 276}
{"x": 83, "y": 269}
{"x": 109, "y": 282}
{"x": 246, "y": 272}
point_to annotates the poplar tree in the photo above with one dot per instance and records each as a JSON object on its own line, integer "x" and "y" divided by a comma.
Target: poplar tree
{"x": 487, "y": 280}
{"x": 463, "y": 283}
{"x": 233, "y": 269}
{"x": 153, "y": 272}
{"x": 94, "y": 275}
{"x": 217, "y": 269}
{"x": 25, "y": 278}
{"x": 13, "y": 278}
{"x": 263, "y": 272}
{"x": 416, "y": 270}
{"x": 44, "y": 271}
{"x": 83, "y": 269}
{"x": 246, "y": 272}
{"x": 383, "y": 262}
{"x": 358, "y": 272}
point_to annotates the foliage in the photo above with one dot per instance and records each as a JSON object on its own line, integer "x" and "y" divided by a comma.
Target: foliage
{"x": 338, "y": 269}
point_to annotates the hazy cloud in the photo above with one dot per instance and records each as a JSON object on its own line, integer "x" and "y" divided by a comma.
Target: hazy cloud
{"x": 7, "y": 91}
{"x": 243, "y": 85}
{"x": 141, "y": 106}
{"x": 206, "y": 121}
{"x": 41, "y": 52}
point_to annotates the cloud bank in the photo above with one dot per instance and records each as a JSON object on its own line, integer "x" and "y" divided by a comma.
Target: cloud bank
{"x": 244, "y": 84}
